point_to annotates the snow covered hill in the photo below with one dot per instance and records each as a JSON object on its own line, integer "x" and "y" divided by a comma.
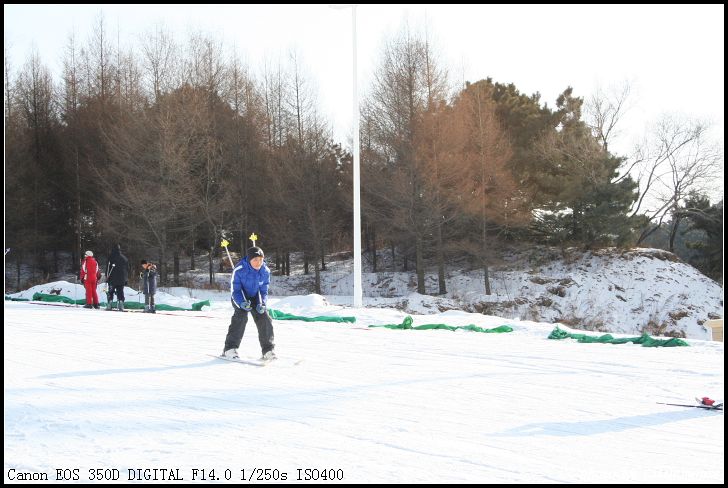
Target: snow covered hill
{"x": 137, "y": 397}
{"x": 610, "y": 290}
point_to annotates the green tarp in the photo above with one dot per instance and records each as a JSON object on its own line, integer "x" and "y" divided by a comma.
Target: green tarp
{"x": 644, "y": 339}
{"x": 42, "y": 297}
{"x": 278, "y": 315}
{"x": 407, "y": 324}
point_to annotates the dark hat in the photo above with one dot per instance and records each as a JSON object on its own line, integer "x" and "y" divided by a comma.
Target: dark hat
{"x": 144, "y": 261}
{"x": 255, "y": 252}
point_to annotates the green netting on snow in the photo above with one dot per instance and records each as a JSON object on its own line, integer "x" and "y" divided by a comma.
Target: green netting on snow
{"x": 644, "y": 340}
{"x": 16, "y": 299}
{"x": 407, "y": 324}
{"x": 42, "y": 297}
{"x": 129, "y": 305}
{"x": 278, "y": 315}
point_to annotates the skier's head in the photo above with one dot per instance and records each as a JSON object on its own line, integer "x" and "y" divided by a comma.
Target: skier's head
{"x": 255, "y": 257}
{"x": 89, "y": 254}
{"x": 255, "y": 252}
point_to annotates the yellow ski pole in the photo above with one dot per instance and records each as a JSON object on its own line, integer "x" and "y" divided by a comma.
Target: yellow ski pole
{"x": 224, "y": 244}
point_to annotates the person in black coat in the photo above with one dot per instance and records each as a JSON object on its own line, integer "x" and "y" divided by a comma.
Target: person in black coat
{"x": 117, "y": 275}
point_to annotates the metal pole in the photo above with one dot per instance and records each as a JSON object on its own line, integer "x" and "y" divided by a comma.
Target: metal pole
{"x": 356, "y": 184}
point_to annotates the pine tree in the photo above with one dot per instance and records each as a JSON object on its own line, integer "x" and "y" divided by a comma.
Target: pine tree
{"x": 575, "y": 184}
{"x": 708, "y": 218}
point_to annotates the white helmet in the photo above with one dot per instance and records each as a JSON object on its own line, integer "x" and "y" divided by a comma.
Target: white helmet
{"x": 89, "y": 253}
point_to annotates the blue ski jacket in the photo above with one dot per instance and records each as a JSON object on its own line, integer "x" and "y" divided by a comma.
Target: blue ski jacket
{"x": 246, "y": 283}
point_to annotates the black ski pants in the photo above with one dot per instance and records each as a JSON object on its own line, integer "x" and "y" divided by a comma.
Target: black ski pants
{"x": 115, "y": 289}
{"x": 237, "y": 328}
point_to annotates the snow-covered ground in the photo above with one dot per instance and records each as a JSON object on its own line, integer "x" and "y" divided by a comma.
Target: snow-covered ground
{"x": 138, "y": 396}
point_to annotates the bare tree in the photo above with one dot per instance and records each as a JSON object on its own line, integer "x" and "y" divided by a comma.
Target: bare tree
{"x": 37, "y": 111}
{"x": 277, "y": 116}
{"x": 604, "y": 110}
{"x": 278, "y": 126}
{"x": 676, "y": 159}
{"x": 100, "y": 56}
{"x": 131, "y": 96}
{"x": 204, "y": 64}
{"x": 488, "y": 190}
{"x": 243, "y": 97}
{"x": 8, "y": 85}
{"x": 431, "y": 146}
{"x": 308, "y": 171}
{"x": 399, "y": 97}
{"x": 71, "y": 100}
{"x": 160, "y": 59}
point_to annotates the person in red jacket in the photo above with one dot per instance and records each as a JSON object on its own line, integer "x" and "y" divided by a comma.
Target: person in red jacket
{"x": 90, "y": 276}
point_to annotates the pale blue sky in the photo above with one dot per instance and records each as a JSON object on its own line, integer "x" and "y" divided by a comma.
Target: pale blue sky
{"x": 673, "y": 56}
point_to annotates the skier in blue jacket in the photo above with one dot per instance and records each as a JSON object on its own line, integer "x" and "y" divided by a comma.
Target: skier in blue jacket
{"x": 249, "y": 293}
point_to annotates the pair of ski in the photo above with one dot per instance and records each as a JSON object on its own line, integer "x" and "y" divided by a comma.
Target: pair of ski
{"x": 715, "y": 406}
{"x": 260, "y": 362}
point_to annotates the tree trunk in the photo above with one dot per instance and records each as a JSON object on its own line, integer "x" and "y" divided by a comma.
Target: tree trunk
{"x": 486, "y": 278}
{"x": 17, "y": 268}
{"x": 374, "y": 248}
{"x": 78, "y": 215}
{"x": 419, "y": 266}
{"x": 176, "y": 267}
{"x": 483, "y": 257}
{"x": 317, "y": 277}
{"x": 305, "y": 263}
{"x": 673, "y": 233}
{"x": 211, "y": 270}
{"x": 440, "y": 261}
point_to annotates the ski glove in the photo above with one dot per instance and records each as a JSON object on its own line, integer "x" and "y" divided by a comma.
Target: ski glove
{"x": 246, "y": 306}
{"x": 82, "y": 281}
{"x": 260, "y": 308}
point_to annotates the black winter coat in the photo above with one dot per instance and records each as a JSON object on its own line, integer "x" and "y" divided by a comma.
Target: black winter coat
{"x": 117, "y": 271}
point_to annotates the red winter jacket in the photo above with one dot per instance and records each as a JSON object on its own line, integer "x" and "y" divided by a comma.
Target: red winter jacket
{"x": 90, "y": 269}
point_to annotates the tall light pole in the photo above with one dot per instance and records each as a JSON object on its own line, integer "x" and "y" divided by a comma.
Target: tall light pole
{"x": 357, "y": 206}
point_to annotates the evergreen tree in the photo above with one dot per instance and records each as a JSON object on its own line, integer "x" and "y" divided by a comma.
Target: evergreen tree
{"x": 575, "y": 184}
{"x": 708, "y": 218}
{"x": 525, "y": 121}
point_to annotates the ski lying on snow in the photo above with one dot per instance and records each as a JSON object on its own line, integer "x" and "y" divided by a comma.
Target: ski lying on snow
{"x": 717, "y": 406}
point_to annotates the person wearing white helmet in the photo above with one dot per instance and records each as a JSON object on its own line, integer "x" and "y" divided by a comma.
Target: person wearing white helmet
{"x": 90, "y": 276}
